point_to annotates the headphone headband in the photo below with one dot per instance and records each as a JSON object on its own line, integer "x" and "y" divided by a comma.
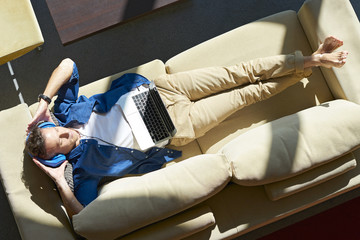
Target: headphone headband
{"x": 46, "y": 125}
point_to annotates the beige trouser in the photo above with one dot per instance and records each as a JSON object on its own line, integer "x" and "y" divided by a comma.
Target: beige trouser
{"x": 199, "y": 100}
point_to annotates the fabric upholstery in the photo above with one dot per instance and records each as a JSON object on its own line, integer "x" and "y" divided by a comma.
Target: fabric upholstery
{"x": 34, "y": 201}
{"x": 241, "y": 209}
{"x": 20, "y": 30}
{"x": 310, "y": 178}
{"x": 150, "y": 70}
{"x": 179, "y": 226}
{"x": 236, "y": 209}
{"x": 333, "y": 17}
{"x": 129, "y": 203}
{"x": 199, "y": 100}
{"x": 294, "y": 144}
{"x": 284, "y": 35}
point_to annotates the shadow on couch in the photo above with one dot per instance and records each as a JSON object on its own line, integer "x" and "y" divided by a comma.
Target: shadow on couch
{"x": 44, "y": 192}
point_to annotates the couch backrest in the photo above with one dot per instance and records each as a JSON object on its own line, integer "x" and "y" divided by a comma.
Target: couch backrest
{"x": 149, "y": 70}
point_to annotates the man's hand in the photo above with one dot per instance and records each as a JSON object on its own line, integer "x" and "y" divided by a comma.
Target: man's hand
{"x": 58, "y": 78}
{"x": 42, "y": 114}
{"x": 56, "y": 174}
{"x": 72, "y": 205}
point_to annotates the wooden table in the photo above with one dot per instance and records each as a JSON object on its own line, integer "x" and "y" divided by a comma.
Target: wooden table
{"x": 75, "y": 19}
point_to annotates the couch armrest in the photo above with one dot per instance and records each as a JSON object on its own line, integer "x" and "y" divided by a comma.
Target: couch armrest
{"x": 35, "y": 203}
{"x": 321, "y": 18}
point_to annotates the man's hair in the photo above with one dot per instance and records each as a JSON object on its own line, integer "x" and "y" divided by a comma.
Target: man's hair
{"x": 35, "y": 143}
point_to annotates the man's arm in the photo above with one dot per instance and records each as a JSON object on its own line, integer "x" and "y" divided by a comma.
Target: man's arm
{"x": 71, "y": 204}
{"x": 58, "y": 78}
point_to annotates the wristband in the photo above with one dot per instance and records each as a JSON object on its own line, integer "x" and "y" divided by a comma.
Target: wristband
{"x": 44, "y": 97}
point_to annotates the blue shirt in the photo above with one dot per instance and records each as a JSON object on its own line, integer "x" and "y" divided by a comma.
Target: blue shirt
{"x": 92, "y": 161}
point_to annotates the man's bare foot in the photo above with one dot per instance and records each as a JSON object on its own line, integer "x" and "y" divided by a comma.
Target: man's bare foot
{"x": 335, "y": 59}
{"x": 330, "y": 44}
{"x": 328, "y": 60}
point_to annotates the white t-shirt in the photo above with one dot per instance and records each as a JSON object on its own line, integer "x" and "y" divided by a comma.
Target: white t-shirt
{"x": 111, "y": 127}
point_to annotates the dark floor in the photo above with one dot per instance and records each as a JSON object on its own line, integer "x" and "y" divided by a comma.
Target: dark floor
{"x": 159, "y": 35}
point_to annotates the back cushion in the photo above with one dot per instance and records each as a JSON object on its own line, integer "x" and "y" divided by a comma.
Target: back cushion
{"x": 130, "y": 203}
{"x": 294, "y": 144}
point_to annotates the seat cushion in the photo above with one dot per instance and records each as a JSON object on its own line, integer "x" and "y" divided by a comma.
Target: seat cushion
{"x": 294, "y": 144}
{"x": 179, "y": 226}
{"x": 311, "y": 178}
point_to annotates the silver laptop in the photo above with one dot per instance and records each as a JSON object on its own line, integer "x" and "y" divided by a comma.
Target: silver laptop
{"x": 147, "y": 116}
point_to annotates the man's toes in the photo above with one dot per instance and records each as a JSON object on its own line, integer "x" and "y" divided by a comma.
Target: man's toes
{"x": 344, "y": 54}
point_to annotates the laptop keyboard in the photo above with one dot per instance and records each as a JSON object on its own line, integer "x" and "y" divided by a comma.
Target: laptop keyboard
{"x": 151, "y": 116}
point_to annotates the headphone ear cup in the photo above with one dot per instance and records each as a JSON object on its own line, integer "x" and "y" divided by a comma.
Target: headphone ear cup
{"x": 54, "y": 162}
{"x": 59, "y": 157}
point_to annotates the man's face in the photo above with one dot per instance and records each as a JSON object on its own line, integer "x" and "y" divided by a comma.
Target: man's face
{"x": 59, "y": 140}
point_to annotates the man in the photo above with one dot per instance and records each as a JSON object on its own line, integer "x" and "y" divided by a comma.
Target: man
{"x": 197, "y": 101}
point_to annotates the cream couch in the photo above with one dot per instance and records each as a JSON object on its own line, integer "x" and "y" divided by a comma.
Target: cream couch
{"x": 264, "y": 163}
{"x": 20, "y": 31}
